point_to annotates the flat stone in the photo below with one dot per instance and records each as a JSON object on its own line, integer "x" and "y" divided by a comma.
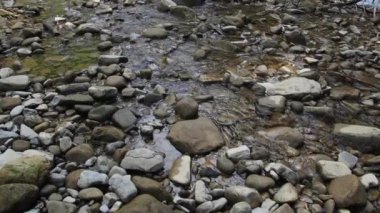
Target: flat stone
{"x": 142, "y": 159}
{"x": 60, "y": 207}
{"x": 103, "y": 92}
{"x": 260, "y": 183}
{"x": 347, "y": 191}
{"x": 155, "y": 33}
{"x": 235, "y": 194}
{"x": 180, "y": 172}
{"x": 195, "y": 136}
{"x": 91, "y": 194}
{"x": 80, "y": 153}
{"x": 239, "y": 153}
{"x": 73, "y": 88}
{"x": 201, "y": 192}
{"x": 332, "y": 169}
{"x": 88, "y": 28}
{"x": 107, "y": 134}
{"x": 73, "y": 99}
{"x": 287, "y": 193}
{"x": 8, "y": 103}
{"x": 15, "y": 82}
{"x": 291, "y": 136}
{"x": 349, "y": 159}
{"x": 89, "y": 178}
{"x": 102, "y": 113}
{"x": 275, "y": 103}
{"x": 294, "y": 87}
{"x": 145, "y": 203}
{"x": 123, "y": 186}
{"x": 186, "y": 108}
{"x": 124, "y": 118}
{"x": 241, "y": 207}
{"x": 363, "y": 138}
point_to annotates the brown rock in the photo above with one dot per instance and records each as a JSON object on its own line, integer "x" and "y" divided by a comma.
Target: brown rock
{"x": 145, "y": 203}
{"x": 347, "y": 191}
{"x": 72, "y": 179}
{"x": 80, "y": 153}
{"x": 7, "y": 103}
{"x": 149, "y": 186}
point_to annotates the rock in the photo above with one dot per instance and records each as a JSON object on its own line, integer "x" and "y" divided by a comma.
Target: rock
{"x": 6, "y": 72}
{"x": 344, "y": 92}
{"x": 88, "y": 28}
{"x": 15, "y": 82}
{"x": 123, "y": 187}
{"x": 332, "y": 169}
{"x": 142, "y": 159}
{"x": 80, "y": 153}
{"x": 8, "y": 103}
{"x": 103, "y": 92}
{"x": 369, "y": 180}
{"x": 165, "y": 5}
{"x": 289, "y": 135}
{"x": 296, "y": 37}
{"x": 27, "y": 132}
{"x": 60, "y": 207}
{"x": 101, "y": 113}
{"x": 294, "y": 87}
{"x": 124, "y": 118}
{"x": 106, "y": 60}
{"x": 211, "y": 206}
{"x": 235, "y": 194}
{"x": 283, "y": 171}
{"x": 149, "y": 186}
{"x": 187, "y": 108}
{"x": 287, "y": 193}
{"x": 180, "y": 172}
{"x": 347, "y": 191}
{"x": 73, "y": 88}
{"x": 349, "y": 159}
{"x": 23, "y": 52}
{"x": 183, "y": 12}
{"x": 284, "y": 208}
{"x": 145, "y": 203}
{"x": 239, "y": 153}
{"x": 201, "y": 192}
{"x": 20, "y": 145}
{"x": 195, "y": 136}
{"x": 260, "y": 183}
{"x": 116, "y": 81}
{"x": 30, "y": 170}
{"x": 17, "y": 197}
{"x": 275, "y": 103}
{"x": 363, "y": 138}
{"x": 225, "y": 165}
{"x": 107, "y": 134}
{"x": 91, "y": 194}
{"x": 241, "y": 207}
{"x": 89, "y": 178}
{"x": 74, "y": 99}
{"x": 5, "y": 135}
{"x": 152, "y": 98}
{"x": 72, "y": 179}
{"x": 155, "y": 33}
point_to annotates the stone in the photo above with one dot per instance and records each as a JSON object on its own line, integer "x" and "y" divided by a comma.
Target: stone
{"x": 101, "y": 113}
{"x": 103, "y": 92}
{"x": 347, "y": 191}
{"x": 91, "y": 194}
{"x": 15, "y": 82}
{"x": 296, "y": 37}
{"x": 260, "y": 183}
{"x": 186, "y": 108}
{"x": 88, "y": 28}
{"x": 332, "y": 169}
{"x": 123, "y": 187}
{"x": 72, "y": 88}
{"x": 349, "y": 159}
{"x": 283, "y": 171}
{"x": 124, "y": 118}
{"x": 201, "y": 192}
{"x": 65, "y": 143}
{"x": 225, "y": 165}
{"x": 286, "y": 194}
{"x": 149, "y": 186}
{"x": 235, "y": 194}
{"x": 142, "y": 159}
{"x": 116, "y": 81}
{"x": 195, "y": 136}
{"x": 294, "y": 87}
{"x": 363, "y": 138}
{"x": 180, "y": 172}
{"x": 155, "y": 33}
{"x": 145, "y": 203}
{"x": 20, "y": 145}
{"x": 284, "y": 208}
{"x": 73, "y": 99}
{"x": 89, "y": 178}
{"x": 107, "y": 134}
{"x": 211, "y": 206}
{"x": 106, "y": 60}
{"x": 16, "y": 110}
{"x": 23, "y": 52}
{"x": 290, "y": 136}
{"x": 72, "y": 179}
{"x": 6, "y": 72}
{"x": 275, "y": 103}
{"x": 27, "y": 132}
{"x": 17, "y": 197}
{"x": 344, "y": 92}
{"x": 239, "y": 153}
{"x": 369, "y": 180}
{"x": 80, "y": 153}
{"x": 241, "y": 207}
{"x": 60, "y": 207}
{"x": 117, "y": 170}
{"x": 8, "y": 103}
{"x": 30, "y": 170}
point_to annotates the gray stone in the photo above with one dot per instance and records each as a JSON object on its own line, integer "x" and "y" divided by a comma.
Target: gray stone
{"x": 180, "y": 172}
{"x": 260, "y": 183}
{"x": 103, "y": 92}
{"x": 16, "y": 82}
{"x": 155, "y": 33}
{"x": 211, "y": 206}
{"x": 143, "y": 159}
{"x": 60, "y": 207}
{"x": 287, "y": 193}
{"x": 27, "y": 132}
{"x": 332, "y": 169}
{"x": 90, "y": 178}
{"x": 90, "y": 194}
{"x": 124, "y": 118}
{"x": 74, "y": 99}
{"x": 186, "y": 108}
{"x": 88, "y": 28}
{"x": 225, "y": 165}
{"x": 290, "y": 136}
{"x": 6, "y": 72}
{"x": 102, "y": 113}
{"x": 17, "y": 197}
{"x": 275, "y": 103}
{"x": 349, "y": 159}
{"x": 294, "y": 87}
{"x": 72, "y": 88}
{"x": 239, "y": 153}
{"x": 111, "y": 59}
{"x": 201, "y": 192}
{"x": 235, "y": 194}
{"x": 123, "y": 186}
{"x": 363, "y": 138}
{"x": 369, "y": 180}
{"x": 241, "y": 207}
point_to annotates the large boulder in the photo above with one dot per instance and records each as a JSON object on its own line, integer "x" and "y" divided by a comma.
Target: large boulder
{"x": 347, "y": 191}
{"x": 17, "y": 197}
{"x": 296, "y": 87}
{"x": 16, "y": 82}
{"x": 363, "y": 138}
{"x": 145, "y": 203}
{"x": 31, "y": 170}
{"x": 196, "y": 136}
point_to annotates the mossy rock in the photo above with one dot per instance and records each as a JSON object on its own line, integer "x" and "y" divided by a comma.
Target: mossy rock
{"x": 17, "y": 197}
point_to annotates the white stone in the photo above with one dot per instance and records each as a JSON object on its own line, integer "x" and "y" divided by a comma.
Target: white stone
{"x": 275, "y": 102}
{"x": 333, "y": 169}
{"x": 9, "y": 155}
{"x": 46, "y": 138}
{"x": 369, "y": 180}
{"x": 287, "y": 193}
{"x": 294, "y": 87}
{"x": 89, "y": 178}
{"x": 27, "y": 132}
{"x": 180, "y": 172}
{"x": 239, "y": 153}
{"x": 201, "y": 192}
{"x": 16, "y": 110}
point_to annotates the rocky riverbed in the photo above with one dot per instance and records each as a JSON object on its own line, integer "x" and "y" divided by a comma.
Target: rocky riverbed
{"x": 157, "y": 106}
